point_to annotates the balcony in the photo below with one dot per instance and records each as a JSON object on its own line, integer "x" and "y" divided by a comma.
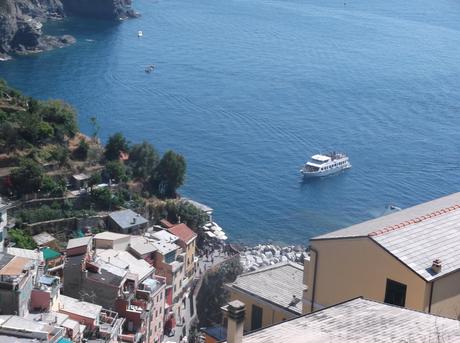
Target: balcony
{"x": 109, "y": 324}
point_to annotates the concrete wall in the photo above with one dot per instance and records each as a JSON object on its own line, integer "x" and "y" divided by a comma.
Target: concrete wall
{"x": 271, "y": 314}
{"x": 157, "y": 315}
{"x": 446, "y": 296}
{"x": 40, "y": 300}
{"x": 189, "y": 258}
{"x": 66, "y": 225}
{"x": 349, "y": 268}
{"x": 3, "y": 222}
{"x": 117, "y": 244}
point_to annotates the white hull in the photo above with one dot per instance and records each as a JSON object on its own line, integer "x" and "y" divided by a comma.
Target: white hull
{"x": 307, "y": 174}
{"x": 325, "y": 164}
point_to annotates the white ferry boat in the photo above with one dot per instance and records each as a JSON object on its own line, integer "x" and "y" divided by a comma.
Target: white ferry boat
{"x": 325, "y": 164}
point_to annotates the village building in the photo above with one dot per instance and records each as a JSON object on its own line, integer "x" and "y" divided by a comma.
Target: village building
{"x": 95, "y": 319}
{"x": 357, "y": 320}
{"x": 111, "y": 240}
{"x": 187, "y": 241}
{"x": 44, "y": 239}
{"x": 142, "y": 247}
{"x": 79, "y": 246}
{"x": 18, "y": 329}
{"x": 80, "y": 181}
{"x": 16, "y": 284}
{"x": 73, "y": 331}
{"x": 409, "y": 258}
{"x": 271, "y": 294}
{"x": 167, "y": 262}
{"x": 127, "y": 222}
{"x": 3, "y": 223}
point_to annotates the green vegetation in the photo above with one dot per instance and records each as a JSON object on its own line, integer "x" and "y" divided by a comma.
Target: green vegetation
{"x": 41, "y": 140}
{"x": 212, "y": 295}
{"x": 53, "y": 212}
{"x": 22, "y": 239}
{"x": 81, "y": 153}
{"x": 117, "y": 143}
{"x": 26, "y": 123}
{"x": 143, "y": 159}
{"x": 28, "y": 177}
{"x": 169, "y": 175}
{"x": 173, "y": 210}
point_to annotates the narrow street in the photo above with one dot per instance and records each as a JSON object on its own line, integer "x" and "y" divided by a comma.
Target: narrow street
{"x": 204, "y": 264}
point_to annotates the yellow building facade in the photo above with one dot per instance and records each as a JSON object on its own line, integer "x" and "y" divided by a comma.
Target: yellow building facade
{"x": 407, "y": 259}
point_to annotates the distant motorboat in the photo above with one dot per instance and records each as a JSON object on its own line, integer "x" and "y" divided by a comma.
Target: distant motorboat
{"x": 325, "y": 164}
{"x": 149, "y": 68}
{"x": 140, "y": 33}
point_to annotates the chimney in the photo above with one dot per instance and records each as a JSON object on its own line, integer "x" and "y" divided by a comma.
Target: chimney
{"x": 436, "y": 266}
{"x": 235, "y": 312}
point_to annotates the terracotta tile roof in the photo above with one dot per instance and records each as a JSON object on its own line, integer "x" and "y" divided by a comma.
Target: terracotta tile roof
{"x": 15, "y": 266}
{"x": 182, "y": 231}
{"x": 166, "y": 223}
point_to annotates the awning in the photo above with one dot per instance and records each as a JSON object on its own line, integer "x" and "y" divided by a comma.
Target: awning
{"x": 50, "y": 254}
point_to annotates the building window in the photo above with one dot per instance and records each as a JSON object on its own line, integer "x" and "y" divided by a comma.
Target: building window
{"x": 256, "y": 317}
{"x": 395, "y": 293}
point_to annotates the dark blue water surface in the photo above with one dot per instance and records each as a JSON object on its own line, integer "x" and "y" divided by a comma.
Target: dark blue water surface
{"x": 248, "y": 89}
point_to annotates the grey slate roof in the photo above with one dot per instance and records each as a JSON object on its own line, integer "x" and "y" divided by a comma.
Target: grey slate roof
{"x": 361, "y": 321}
{"x": 416, "y": 236}
{"x": 276, "y": 284}
{"x": 127, "y": 218}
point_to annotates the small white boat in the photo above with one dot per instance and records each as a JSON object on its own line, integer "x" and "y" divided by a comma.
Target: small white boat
{"x": 325, "y": 164}
{"x": 140, "y": 33}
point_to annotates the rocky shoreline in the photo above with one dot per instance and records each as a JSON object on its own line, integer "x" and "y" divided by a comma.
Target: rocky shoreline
{"x": 264, "y": 255}
{"x": 21, "y": 22}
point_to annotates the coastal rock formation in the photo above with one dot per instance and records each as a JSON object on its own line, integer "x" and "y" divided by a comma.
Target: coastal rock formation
{"x": 252, "y": 258}
{"x": 100, "y": 9}
{"x": 21, "y": 21}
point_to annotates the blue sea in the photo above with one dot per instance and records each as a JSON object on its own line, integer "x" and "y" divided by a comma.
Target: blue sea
{"x": 247, "y": 90}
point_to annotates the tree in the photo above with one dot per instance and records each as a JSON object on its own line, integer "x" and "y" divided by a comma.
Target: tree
{"x": 61, "y": 116}
{"x": 188, "y": 214}
{"x": 81, "y": 152}
{"x": 96, "y": 127}
{"x": 212, "y": 295}
{"x": 60, "y": 154}
{"x": 103, "y": 199}
{"x": 28, "y": 177}
{"x": 116, "y": 170}
{"x": 169, "y": 174}
{"x": 143, "y": 159}
{"x": 116, "y": 144}
{"x": 94, "y": 180}
{"x": 53, "y": 187}
{"x": 23, "y": 240}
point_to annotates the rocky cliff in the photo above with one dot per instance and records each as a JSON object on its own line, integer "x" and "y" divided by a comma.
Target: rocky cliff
{"x": 21, "y": 21}
{"x": 101, "y": 9}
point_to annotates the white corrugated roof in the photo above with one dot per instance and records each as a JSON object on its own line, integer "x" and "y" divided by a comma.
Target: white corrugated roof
{"x": 361, "y": 321}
